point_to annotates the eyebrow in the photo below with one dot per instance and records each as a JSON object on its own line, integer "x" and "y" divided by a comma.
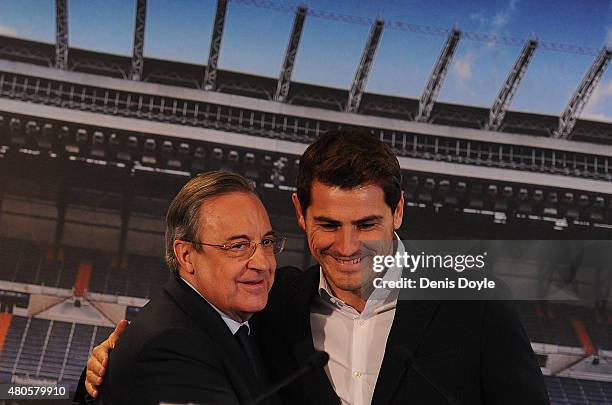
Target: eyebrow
{"x": 244, "y": 236}
{"x": 369, "y": 218}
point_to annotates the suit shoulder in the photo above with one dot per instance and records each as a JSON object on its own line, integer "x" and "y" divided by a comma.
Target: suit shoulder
{"x": 179, "y": 342}
{"x": 161, "y": 320}
{"x": 161, "y": 313}
{"x": 175, "y": 364}
{"x": 501, "y": 314}
{"x": 288, "y": 273}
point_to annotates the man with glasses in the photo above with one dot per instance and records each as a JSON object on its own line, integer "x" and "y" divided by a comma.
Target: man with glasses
{"x": 193, "y": 342}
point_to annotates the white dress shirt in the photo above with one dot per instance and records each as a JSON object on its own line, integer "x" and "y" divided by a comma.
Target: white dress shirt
{"x": 355, "y": 341}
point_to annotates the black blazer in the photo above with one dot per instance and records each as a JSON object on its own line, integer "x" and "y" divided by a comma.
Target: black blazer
{"x": 477, "y": 351}
{"x": 178, "y": 350}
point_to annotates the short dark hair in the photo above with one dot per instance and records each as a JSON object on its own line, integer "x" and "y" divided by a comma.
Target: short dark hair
{"x": 348, "y": 158}
{"x": 182, "y": 219}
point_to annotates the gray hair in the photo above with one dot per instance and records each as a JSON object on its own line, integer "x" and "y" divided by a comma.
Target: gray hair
{"x": 182, "y": 219}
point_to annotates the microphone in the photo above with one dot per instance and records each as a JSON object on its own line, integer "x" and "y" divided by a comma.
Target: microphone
{"x": 315, "y": 361}
{"x": 409, "y": 359}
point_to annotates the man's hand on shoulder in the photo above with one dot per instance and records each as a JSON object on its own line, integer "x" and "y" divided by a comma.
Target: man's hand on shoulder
{"x": 98, "y": 361}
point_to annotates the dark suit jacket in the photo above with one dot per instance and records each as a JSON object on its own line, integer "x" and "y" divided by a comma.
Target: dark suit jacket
{"x": 178, "y": 350}
{"x": 477, "y": 351}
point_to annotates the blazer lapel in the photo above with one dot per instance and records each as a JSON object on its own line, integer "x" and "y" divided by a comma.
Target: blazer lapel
{"x": 317, "y": 385}
{"x": 412, "y": 318}
{"x": 236, "y": 364}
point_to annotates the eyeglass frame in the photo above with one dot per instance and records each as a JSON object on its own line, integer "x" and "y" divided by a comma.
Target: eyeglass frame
{"x": 225, "y": 247}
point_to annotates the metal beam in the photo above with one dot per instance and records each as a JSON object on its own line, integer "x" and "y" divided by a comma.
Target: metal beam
{"x": 61, "y": 205}
{"x": 430, "y": 94}
{"x": 210, "y": 76}
{"x": 61, "y": 34}
{"x": 139, "y": 38}
{"x": 506, "y": 93}
{"x": 365, "y": 65}
{"x": 581, "y": 96}
{"x": 3, "y": 186}
{"x": 284, "y": 80}
{"x": 126, "y": 209}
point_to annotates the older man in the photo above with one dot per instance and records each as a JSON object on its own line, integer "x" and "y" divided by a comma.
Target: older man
{"x": 382, "y": 350}
{"x": 192, "y": 342}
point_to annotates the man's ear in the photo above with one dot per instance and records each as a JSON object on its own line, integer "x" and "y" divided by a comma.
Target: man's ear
{"x": 398, "y": 214}
{"x": 183, "y": 251}
{"x": 298, "y": 211}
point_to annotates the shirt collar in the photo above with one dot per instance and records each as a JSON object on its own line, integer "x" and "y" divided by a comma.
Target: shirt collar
{"x": 379, "y": 297}
{"x": 232, "y": 324}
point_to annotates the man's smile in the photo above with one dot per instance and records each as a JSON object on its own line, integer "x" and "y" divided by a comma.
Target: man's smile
{"x": 341, "y": 260}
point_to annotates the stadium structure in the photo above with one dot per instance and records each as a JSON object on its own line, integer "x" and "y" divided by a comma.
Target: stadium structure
{"x": 93, "y": 147}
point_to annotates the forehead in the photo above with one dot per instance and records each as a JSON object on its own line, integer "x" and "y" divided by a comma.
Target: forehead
{"x": 233, "y": 214}
{"x": 347, "y": 204}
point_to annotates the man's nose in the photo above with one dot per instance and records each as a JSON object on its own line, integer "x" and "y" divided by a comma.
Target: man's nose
{"x": 347, "y": 243}
{"x": 260, "y": 260}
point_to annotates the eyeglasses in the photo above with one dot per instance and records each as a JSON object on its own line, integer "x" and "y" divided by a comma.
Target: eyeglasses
{"x": 271, "y": 245}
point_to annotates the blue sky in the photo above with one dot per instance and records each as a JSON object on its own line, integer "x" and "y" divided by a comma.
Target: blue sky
{"x": 255, "y": 39}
